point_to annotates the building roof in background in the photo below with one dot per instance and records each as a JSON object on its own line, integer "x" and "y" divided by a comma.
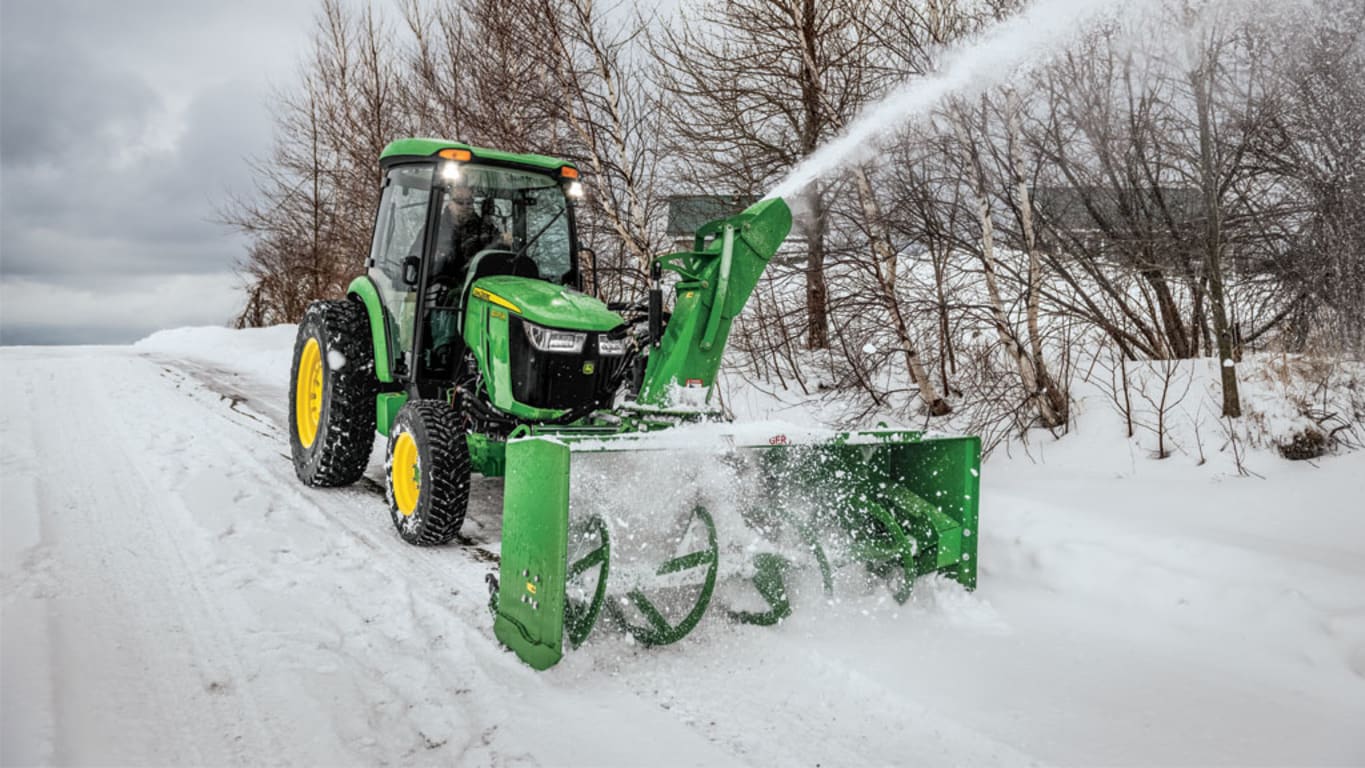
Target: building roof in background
{"x": 1078, "y": 209}
{"x": 687, "y": 213}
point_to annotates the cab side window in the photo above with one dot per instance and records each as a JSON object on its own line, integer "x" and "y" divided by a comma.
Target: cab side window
{"x": 398, "y": 235}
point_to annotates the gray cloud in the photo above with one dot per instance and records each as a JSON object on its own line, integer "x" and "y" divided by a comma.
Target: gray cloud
{"x": 86, "y": 213}
{"x": 123, "y": 126}
{"x": 48, "y": 113}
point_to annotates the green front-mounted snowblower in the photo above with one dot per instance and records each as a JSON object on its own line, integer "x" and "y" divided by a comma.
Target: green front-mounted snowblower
{"x": 628, "y": 503}
{"x": 592, "y": 533}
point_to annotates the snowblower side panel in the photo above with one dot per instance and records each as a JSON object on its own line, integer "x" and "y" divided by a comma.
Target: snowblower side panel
{"x": 531, "y": 575}
{"x": 946, "y": 474}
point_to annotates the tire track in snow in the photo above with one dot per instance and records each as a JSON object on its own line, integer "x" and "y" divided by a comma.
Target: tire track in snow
{"x": 207, "y": 609}
{"x": 266, "y": 406}
{"x": 120, "y": 576}
{"x": 421, "y": 590}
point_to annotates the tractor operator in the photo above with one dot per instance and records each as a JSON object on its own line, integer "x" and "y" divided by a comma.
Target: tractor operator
{"x": 463, "y": 233}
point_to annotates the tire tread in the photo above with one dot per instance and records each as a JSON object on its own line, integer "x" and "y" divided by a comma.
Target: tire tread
{"x": 345, "y": 438}
{"x": 445, "y": 493}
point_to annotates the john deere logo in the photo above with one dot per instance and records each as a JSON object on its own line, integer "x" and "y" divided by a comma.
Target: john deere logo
{"x": 588, "y": 368}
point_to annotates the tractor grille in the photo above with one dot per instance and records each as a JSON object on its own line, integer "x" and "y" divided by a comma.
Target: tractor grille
{"x": 559, "y": 380}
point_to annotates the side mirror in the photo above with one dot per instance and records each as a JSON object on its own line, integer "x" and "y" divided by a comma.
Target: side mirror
{"x": 412, "y": 267}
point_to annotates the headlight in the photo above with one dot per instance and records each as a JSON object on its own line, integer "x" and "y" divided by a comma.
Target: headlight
{"x": 553, "y": 339}
{"x": 613, "y": 347}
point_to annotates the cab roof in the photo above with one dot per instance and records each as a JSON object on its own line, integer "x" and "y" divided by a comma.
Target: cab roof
{"x": 419, "y": 148}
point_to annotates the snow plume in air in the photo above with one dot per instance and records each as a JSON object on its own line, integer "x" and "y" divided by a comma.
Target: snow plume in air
{"x": 976, "y": 64}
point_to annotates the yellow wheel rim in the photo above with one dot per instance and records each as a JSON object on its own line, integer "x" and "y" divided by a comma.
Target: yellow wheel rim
{"x": 308, "y": 393}
{"x": 405, "y": 474}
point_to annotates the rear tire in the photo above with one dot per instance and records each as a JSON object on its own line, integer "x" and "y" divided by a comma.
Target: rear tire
{"x": 427, "y": 473}
{"x": 331, "y": 394}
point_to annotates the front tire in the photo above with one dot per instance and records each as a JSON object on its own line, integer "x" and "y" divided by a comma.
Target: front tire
{"x": 428, "y": 473}
{"x": 331, "y": 394}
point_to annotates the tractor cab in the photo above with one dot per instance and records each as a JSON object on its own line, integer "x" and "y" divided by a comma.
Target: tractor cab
{"x": 449, "y": 216}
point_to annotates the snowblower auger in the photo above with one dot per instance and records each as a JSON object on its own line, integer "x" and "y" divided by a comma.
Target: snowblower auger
{"x": 471, "y": 345}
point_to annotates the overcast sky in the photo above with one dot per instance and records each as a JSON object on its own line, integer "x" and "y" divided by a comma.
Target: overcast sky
{"x": 123, "y": 126}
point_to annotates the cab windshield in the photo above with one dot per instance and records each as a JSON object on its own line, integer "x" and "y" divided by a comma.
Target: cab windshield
{"x": 499, "y": 209}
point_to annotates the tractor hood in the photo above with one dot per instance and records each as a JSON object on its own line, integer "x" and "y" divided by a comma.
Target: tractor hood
{"x": 548, "y": 304}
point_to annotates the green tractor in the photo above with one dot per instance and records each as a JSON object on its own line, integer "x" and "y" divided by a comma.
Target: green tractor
{"x": 471, "y": 346}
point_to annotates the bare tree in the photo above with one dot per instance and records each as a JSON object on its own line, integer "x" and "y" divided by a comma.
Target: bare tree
{"x": 967, "y": 126}
{"x": 885, "y": 267}
{"x": 757, "y": 86}
{"x": 1314, "y": 147}
{"x": 1052, "y": 400}
{"x": 310, "y": 220}
{"x": 1202, "y": 83}
{"x": 614, "y": 125}
{"x": 355, "y": 71}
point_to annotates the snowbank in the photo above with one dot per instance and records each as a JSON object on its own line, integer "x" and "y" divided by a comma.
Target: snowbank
{"x": 262, "y": 353}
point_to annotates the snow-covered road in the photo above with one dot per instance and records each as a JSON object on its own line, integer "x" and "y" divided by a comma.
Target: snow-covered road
{"x": 172, "y": 595}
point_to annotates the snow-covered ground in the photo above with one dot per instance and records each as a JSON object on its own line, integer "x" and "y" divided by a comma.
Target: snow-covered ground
{"x": 172, "y": 595}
